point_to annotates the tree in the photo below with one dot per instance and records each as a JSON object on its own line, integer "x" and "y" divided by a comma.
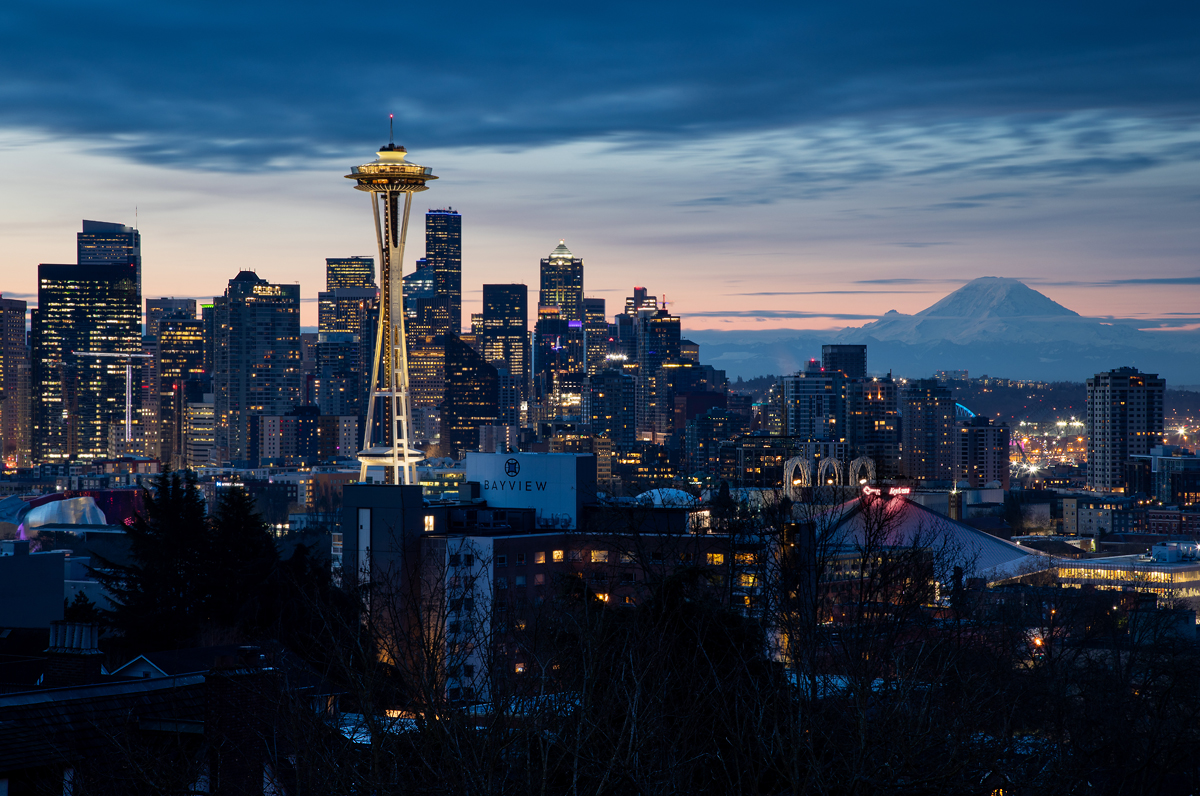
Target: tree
{"x": 189, "y": 573}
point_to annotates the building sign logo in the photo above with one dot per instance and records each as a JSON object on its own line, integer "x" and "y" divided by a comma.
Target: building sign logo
{"x": 892, "y": 492}
{"x": 512, "y": 468}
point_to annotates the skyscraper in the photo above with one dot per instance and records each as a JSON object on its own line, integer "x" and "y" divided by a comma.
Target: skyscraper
{"x": 14, "y": 385}
{"x": 929, "y": 416}
{"x": 503, "y": 331}
{"x": 609, "y": 403}
{"x": 257, "y": 369}
{"x": 595, "y": 333}
{"x": 179, "y": 358}
{"x": 657, "y": 333}
{"x": 981, "y": 452}
{"x": 471, "y": 397}
{"x": 443, "y": 252}
{"x": 1124, "y": 418}
{"x": 872, "y": 425}
{"x": 562, "y": 283}
{"x": 93, "y": 308}
{"x": 814, "y": 404}
{"x": 159, "y": 308}
{"x": 105, "y": 243}
{"x": 849, "y": 359}
{"x": 355, "y": 272}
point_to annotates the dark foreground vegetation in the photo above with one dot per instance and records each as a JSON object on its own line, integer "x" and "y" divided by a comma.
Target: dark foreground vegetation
{"x": 883, "y": 687}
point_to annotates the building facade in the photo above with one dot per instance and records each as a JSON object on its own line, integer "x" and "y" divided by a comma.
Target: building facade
{"x": 1124, "y": 419}
{"x": 257, "y": 369}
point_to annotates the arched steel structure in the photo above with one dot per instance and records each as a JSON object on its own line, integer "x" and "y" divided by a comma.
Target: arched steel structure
{"x": 856, "y": 468}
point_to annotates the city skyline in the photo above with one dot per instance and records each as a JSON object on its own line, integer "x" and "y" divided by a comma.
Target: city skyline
{"x": 844, "y": 165}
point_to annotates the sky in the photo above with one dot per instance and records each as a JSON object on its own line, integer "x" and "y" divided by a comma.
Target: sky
{"x": 779, "y": 165}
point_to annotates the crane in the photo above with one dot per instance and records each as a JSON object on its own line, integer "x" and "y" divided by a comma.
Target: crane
{"x": 128, "y": 382}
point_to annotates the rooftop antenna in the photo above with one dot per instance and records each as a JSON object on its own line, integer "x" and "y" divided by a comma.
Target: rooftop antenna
{"x": 135, "y": 218}
{"x": 392, "y": 129}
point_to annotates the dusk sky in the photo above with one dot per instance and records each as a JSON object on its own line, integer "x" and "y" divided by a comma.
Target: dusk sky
{"x": 774, "y": 165}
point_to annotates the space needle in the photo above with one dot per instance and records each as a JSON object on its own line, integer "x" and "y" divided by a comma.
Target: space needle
{"x": 391, "y": 182}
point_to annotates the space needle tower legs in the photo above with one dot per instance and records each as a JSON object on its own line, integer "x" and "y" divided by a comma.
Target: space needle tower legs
{"x": 391, "y": 182}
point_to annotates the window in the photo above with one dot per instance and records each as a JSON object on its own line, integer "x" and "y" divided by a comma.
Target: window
{"x": 501, "y": 583}
{"x": 716, "y": 559}
{"x": 574, "y": 555}
{"x": 520, "y": 624}
{"x": 455, "y": 559}
{"x": 629, "y": 601}
{"x": 502, "y": 561}
{"x": 600, "y": 577}
{"x": 469, "y": 560}
{"x": 428, "y": 523}
{"x": 520, "y": 580}
{"x": 599, "y": 556}
{"x": 539, "y": 558}
{"x": 747, "y": 559}
{"x": 557, "y": 555}
{"x": 747, "y": 581}
{"x": 520, "y": 668}
{"x": 520, "y": 559}
{"x": 602, "y": 597}
{"x": 656, "y": 557}
{"x": 627, "y": 579}
{"x": 626, "y": 558}
{"x": 539, "y": 580}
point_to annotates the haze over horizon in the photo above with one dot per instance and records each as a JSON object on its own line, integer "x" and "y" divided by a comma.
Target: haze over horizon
{"x": 801, "y": 167}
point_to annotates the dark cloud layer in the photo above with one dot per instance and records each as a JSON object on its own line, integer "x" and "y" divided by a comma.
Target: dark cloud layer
{"x": 250, "y": 86}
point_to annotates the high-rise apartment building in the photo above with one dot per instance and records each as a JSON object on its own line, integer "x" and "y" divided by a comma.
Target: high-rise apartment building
{"x": 503, "y": 330}
{"x": 471, "y": 397}
{"x": 851, "y": 360}
{"x": 105, "y": 243}
{"x": 257, "y": 369}
{"x": 562, "y": 283}
{"x": 929, "y": 420}
{"x": 94, "y": 308}
{"x": 1124, "y": 419}
{"x": 354, "y": 311}
{"x": 872, "y": 423}
{"x": 595, "y": 333}
{"x": 14, "y": 385}
{"x": 340, "y": 386}
{"x": 814, "y": 404}
{"x": 349, "y": 272}
{"x": 558, "y": 364}
{"x": 159, "y": 308}
{"x": 443, "y": 252}
{"x": 981, "y": 452}
{"x": 658, "y": 336}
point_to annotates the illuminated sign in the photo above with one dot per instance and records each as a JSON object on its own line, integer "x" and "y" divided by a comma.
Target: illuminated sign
{"x": 893, "y": 491}
{"x": 553, "y": 484}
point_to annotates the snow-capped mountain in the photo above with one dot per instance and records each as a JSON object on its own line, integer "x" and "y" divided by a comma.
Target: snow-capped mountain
{"x": 992, "y": 325}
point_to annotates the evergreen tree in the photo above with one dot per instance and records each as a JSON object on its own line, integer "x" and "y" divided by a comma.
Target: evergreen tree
{"x": 158, "y": 597}
{"x": 240, "y": 561}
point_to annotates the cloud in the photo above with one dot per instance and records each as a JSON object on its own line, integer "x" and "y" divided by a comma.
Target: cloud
{"x": 773, "y": 314}
{"x": 827, "y": 292}
{"x": 245, "y": 87}
{"x": 909, "y": 281}
{"x": 1135, "y": 281}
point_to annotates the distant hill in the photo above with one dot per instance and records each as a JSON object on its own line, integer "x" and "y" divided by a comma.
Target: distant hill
{"x": 992, "y": 325}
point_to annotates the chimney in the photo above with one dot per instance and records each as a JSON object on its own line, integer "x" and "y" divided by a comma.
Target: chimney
{"x": 73, "y": 657}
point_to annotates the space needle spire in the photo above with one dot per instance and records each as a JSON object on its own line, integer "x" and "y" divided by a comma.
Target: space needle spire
{"x": 391, "y": 181}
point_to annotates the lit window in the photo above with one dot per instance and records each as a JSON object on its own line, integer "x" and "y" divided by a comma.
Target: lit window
{"x": 539, "y": 558}
{"x": 747, "y": 581}
{"x": 557, "y": 555}
{"x": 599, "y": 556}
{"x": 602, "y": 597}
{"x": 520, "y": 668}
{"x": 626, "y": 558}
{"x": 716, "y": 559}
{"x": 428, "y": 523}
